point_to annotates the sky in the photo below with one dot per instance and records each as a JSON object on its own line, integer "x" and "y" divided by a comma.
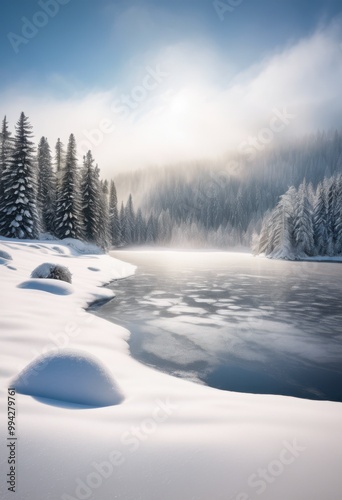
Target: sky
{"x": 150, "y": 82}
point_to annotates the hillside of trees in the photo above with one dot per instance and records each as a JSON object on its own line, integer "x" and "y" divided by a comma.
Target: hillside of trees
{"x": 218, "y": 204}
{"x": 222, "y": 204}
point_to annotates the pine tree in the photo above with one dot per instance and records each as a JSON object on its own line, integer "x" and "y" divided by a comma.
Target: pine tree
{"x": 6, "y": 146}
{"x": 59, "y": 164}
{"x": 150, "y": 230}
{"x": 165, "y": 224}
{"x": 156, "y": 230}
{"x": 320, "y": 221}
{"x": 90, "y": 189}
{"x": 19, "y": 215}
{"x": 129, "y": 235}
{"x": 46, "y": 186}
{"x": 105, "y": 187}
{"x": 264, "y": 243}
{"x": 277, "y": 237}
{"x": 122, "y": 219}
{"x": 338, "y": 216}
{"x": 104, "y": 229}
{"x": 331, "y": 222}
{"x": 140, "y": 228}
{"x": 68, "y": 223}
{"x": 281, "y": 236}
{"x": 303, "y": 226}
{"x": 59, "y": 156}
{"x": 114, "y": 222}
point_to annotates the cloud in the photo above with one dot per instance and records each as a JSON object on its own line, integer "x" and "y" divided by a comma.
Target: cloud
{"x": 186, "y": 103}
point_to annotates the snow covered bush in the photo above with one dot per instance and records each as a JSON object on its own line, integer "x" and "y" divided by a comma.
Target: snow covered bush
{"x": 52, "y": 271}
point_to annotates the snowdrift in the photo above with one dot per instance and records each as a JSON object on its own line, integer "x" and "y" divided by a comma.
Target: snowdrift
{"x": 47, "y": 285}
{"x": 69, "y": 376}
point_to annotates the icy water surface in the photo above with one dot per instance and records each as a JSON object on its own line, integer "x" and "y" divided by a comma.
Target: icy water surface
{"x": 233, "y": 321}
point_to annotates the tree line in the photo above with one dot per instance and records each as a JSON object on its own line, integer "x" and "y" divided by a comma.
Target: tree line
{"x": 222, "y": 203}
{"x": 305, "y": 222}
{"x": 40, "y": 193}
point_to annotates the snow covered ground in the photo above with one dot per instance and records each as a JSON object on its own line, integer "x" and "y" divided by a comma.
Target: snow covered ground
{"x": 143, "y": 435}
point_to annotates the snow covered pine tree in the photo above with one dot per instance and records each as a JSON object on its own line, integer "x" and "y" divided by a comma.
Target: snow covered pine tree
{"x": 68, "y": 223}
{"x": 91, "y": 193}
{"x": 6, "y": 144}
{"x": 18, "y": 209}
{"x": 46, "y": 186}
{"x": 114, "y": 223}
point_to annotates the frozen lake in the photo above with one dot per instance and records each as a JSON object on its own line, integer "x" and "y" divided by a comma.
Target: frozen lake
{"x": 233, "y": 321}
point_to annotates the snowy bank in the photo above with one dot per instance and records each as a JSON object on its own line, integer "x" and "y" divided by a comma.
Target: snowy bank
{"x": 300, "y": 258}
{"x": 159, "y": 437}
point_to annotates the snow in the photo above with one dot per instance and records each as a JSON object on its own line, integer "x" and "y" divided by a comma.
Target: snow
{"x": 69, "y": 376}
{"x": 48, "y": 285}
{"x": 323, "y": 258}
{"x": 5, "y": 255}
{"x": 316, "y": 258}
{"x": 168, "y": 438}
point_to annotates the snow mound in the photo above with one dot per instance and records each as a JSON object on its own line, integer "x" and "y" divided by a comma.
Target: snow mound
{"x": 59, "y": 250}
{"x": 52, "y": 271}
{"x": 5, "y": 255}
{"x": 48, "y": 285}
{"x": 82, "y": 247}
{"x": 71, "y": 377}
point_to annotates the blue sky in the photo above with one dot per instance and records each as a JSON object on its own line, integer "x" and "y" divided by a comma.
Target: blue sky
{"x": 85, "y": 43}
{"x": 224, "y": 78}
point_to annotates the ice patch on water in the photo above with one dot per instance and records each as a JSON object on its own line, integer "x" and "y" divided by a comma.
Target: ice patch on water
{"x": 206, "y": 301}
{"x": 186, "y": 309}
